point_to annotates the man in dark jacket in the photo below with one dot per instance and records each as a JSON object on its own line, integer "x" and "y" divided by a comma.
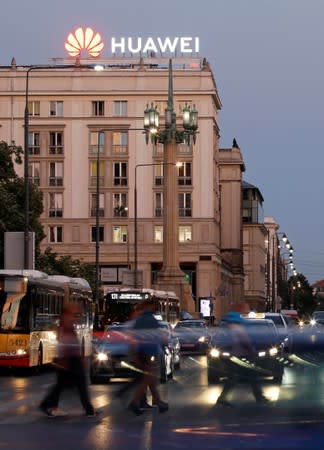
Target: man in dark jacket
{"x": 149, "y": 338}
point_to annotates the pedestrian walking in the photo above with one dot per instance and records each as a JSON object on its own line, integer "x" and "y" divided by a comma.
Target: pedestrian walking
{"x": 241, "y": 346}
{"x": 149, "y": 338}
{"x": 70, "y": 366}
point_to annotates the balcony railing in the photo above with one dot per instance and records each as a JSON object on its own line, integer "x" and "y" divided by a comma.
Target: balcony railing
{"x": 55, "y": 181}
{"x": 55, "y": 212}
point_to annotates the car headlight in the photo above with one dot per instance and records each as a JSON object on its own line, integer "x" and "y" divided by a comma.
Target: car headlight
{"x": 214, "y": 353}
{"x": 202, "y": 339}
{"x": 312, "y": 322}
{"x": 101, "y": 356}
{"x": 273, "y": 351}
{"x": 261, "y": 354}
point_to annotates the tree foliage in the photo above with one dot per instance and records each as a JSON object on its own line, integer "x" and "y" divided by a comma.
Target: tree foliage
{"x": 301, "y": 295}
{"x": 12, "y": 198}
{"x": 52, "y": 264}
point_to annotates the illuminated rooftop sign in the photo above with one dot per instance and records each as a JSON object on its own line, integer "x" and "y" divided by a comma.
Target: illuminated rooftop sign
{"x": 140, "y": 45}
{"x": 85, "y": 39}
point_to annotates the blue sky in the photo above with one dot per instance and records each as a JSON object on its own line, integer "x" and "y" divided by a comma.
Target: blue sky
{"x": 267, "y": 59}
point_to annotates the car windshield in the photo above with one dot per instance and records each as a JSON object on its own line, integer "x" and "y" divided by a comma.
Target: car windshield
{"x": 318, "y": 315}
{"x": 277, "y": 320}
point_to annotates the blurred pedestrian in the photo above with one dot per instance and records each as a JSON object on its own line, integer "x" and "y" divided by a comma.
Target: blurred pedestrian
{"x": 70, "y": 366}
{"x": 242, "y": 347}
{"x": 149, "y": 349}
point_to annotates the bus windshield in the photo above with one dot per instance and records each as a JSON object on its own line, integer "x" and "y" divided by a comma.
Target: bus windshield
{"x": 120, "y": 305}
{"x": 13, "y": 312}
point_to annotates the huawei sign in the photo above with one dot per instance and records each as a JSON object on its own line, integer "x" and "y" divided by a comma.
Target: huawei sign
{"x": 84, "y": 39}
{"x": 87, "y": 40}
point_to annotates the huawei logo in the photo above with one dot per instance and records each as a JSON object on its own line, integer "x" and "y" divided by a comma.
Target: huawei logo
{"x": 84, "y": 39}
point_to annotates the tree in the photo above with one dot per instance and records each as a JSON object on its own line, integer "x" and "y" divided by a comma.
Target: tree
{"x": 52, "y": 264}
{"x": 12, "y": 198}
{"x": 301, "y": 295}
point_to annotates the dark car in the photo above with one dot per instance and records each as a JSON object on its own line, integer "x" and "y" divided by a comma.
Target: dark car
{"x": 112, "y": 354}
{"x": 318, "y": 317}
{"x": 267, "y": 364}
{"x": 193, "y": 335}
{"x": 172, "y": 343}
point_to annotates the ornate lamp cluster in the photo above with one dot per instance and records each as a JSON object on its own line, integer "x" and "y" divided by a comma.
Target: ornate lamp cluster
{"x": 152, "y": 125}
{"x": 170, "y": 132}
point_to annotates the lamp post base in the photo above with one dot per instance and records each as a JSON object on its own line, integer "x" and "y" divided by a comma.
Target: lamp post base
{"x": 173, "y": 280}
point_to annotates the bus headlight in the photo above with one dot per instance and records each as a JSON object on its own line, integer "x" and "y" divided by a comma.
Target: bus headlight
{"x": 21, "y": 351}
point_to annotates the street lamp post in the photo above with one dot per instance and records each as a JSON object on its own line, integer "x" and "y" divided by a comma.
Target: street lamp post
{"x": 26, "y": 147}
{"x": 170, "y": 136}
{"x": 135, "y": 213}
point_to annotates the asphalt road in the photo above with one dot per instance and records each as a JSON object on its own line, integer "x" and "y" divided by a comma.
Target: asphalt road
{"x": 293, "y": 419}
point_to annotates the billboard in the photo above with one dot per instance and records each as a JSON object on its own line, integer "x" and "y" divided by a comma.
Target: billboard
{"x": 14, "y": 250}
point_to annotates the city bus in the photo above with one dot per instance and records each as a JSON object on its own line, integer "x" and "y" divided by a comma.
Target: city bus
{"x": 120, "y": 304}
{"x": 30, "y": 306}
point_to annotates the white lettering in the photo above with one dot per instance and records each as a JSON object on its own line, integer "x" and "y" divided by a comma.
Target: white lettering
{"x": 185, "y": 45}
{"x": 197, "y": 44}
{"x": 115, "y": 45}
{"x": 149, "y": 45}
{"x": 130, "y": 45}
{"x": 167, "y": 43}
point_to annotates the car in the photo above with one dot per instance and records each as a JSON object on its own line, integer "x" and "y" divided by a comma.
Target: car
{"x": 281, "y": 322}
{"x": 318, "y": 317}
{"x": 112, "y": 354}
{"x": 268, "y": 363}
{"x": 173, "y": 344}
{"x": 193, "y": 335}
{"x": 114, "y": 348}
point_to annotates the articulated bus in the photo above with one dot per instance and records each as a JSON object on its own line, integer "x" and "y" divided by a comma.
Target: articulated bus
{"x": 120, "y": 304}
{"x": 30, "y": 306}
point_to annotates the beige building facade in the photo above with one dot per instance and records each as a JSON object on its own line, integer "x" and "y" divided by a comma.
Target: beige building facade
{"x": 76, "y": 112}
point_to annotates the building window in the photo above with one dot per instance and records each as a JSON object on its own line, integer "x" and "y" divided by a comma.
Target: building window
{"x": 98, "y": 108}
{"x": 34, "y": 108}
{"x": 93, "y": 206}
{"x": 185, "y": 204}
{"x": 158, "y": 174}
{"x": 55, "y": 204}
{"x": 55, "y": 234}
{"x": 120, "y": 174}
{"x": 93, "y": 173}
{"x": 56, "y": 143}
{"x": 158, "y": 233}
{"x": 56, "y": 108}
{"x": 120, "y": 108}
{"x": 34, "y": 143}
{"x": 185, "y": 233}
{"x": 120, "y": 205}
{"x": 97, "y": 141}
{"x": 158, "y": 204}
{"x": 185, "y": 174}
{"x": 100, "y": 234}
{"x": 120, "y": 234}
{"x": 120, "y": 143}
{"x": 55, "y": 174}
{"x": 34, "y": 172}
